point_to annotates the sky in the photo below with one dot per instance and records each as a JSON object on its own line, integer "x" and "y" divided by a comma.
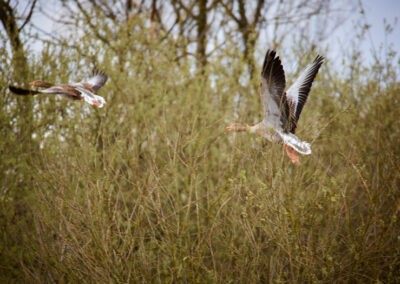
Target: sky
{"x": 375, "y": 13}
{"x": 343, "y": 38}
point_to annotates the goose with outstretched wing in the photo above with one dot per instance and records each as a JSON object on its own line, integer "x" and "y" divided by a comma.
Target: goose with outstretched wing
{"x": 84, "y": 91}
{"x": 282, "y": 109}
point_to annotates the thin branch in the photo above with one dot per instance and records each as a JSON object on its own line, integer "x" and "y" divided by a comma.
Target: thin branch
{"x": 213, "y": 4}
{"x": 27, "y": 19}
{"x": 257, "y": 15}
{"x": 230, "y": 12}
{"x": 187, "y": 10}
{"x": 242, "y": 11}
{"x": 89, "y": 22}
{"x": 103, "y": 7}
{"x": 54, "y": 19}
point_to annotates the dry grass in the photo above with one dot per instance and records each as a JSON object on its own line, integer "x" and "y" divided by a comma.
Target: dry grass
{"x": 152, "y": 189}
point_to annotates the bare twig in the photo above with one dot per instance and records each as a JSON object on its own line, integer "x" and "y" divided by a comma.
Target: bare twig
{"x": 28, "y": 17}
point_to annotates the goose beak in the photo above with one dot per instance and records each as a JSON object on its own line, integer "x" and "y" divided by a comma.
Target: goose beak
{"x": 230, "y": 128}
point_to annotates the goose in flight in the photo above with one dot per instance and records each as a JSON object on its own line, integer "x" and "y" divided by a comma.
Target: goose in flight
{"x": 282, "y": 109}
{"x": 83, "y": 91}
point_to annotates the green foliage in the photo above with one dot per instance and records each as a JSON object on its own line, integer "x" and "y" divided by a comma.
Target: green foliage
{"x": 151, "y": 188}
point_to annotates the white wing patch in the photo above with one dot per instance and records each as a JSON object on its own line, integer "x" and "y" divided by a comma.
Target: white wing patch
{"x": 91, "y": 98}
{"x": 294, "y": 91}
{"x": 297, "y": 93}
{"x": 290, "y": 139}
{"x": 54, "y": 90}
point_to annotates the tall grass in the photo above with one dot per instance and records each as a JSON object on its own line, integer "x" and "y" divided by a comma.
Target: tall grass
{"x": 152, "y": 189}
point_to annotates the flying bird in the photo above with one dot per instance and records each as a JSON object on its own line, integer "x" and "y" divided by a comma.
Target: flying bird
{"x": 83, "y": 91}
{"x": 282, "y": 108}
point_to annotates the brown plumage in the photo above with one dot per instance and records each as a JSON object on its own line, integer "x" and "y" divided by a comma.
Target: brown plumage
{"x": 75, "y": 91}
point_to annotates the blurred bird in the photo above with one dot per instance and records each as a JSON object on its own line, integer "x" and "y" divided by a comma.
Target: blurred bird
{"x": 83, "y": 91}
{"x": 282, "y": 109}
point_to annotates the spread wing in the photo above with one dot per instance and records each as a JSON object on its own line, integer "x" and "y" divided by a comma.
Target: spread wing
{"x": 272, "y": 91}
{"x": 98, "y": 80}
{"x": 297, "y": 94}
{"x": 65, "y": 90}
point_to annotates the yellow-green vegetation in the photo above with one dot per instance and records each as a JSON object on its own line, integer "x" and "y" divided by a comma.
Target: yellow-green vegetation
{"x": 152, "y": 189}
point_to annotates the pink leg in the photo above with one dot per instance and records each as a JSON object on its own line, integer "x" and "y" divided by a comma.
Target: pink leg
{"x": 294, "y": 158}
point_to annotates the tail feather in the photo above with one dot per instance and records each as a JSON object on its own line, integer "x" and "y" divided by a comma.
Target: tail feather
{"x": 291, "y": 140}
{"x": 91, "y": 98}
{"x": 22, "y": 92}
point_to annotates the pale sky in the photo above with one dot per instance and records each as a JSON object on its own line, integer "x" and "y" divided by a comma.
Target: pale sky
{"x": 375, "y": 13}
{"x": 340, "y": 41}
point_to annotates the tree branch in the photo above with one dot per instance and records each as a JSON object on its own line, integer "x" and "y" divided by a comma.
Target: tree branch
{"x": 230, "y": 12}
{"x": 28, "y": 18}
{"x": 187, "y": 10}
{"x": 242, "y": 11}
{"x": 257, "y": 14}
{"x": 89, "y": 22}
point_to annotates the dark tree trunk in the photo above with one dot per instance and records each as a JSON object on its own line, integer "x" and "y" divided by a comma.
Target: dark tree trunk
{"x": 10, "y": 25}
{"x": 201, "y": 34}
{"x": 20, "y": 74}
{"x": 247, "y": 29}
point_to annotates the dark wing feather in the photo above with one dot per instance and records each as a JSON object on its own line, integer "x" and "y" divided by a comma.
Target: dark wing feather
{"x": 272, "y": 90}
{"x": 98, "y": 80}
{"x": 298, "y": 93}
{"x": 22, "y": 92}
